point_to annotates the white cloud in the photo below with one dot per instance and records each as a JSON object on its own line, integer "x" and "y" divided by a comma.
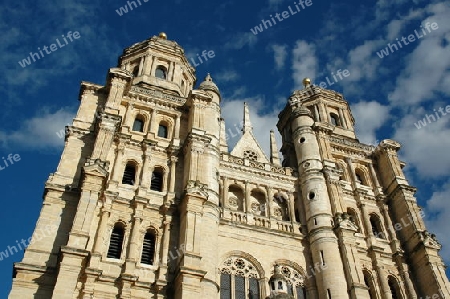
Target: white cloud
{"x": 425, "y": 148}
{"x": 280, "y": 54}
{"x": 428, "y": 66}
{"x": 39, "y": 132}
{"x": 304, "y": 62}
{"x": 363, "y": 62}
{"x": 225, "y": 76}
{"x": 439, "y": 207}
{"x": 241, "y": 40}
{"x": 369, "y": 116}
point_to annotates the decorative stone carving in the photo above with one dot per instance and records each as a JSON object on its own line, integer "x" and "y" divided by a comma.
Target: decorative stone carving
{"x": 239, "y": 267}
{"x": 195, "y": 187}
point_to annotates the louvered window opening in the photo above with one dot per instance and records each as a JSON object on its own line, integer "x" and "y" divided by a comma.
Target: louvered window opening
{"x": 129, "y": 175}
{"x": 148, "y": 249}
{"x": 115, "y": 243}
{"x": 157, "y": 181}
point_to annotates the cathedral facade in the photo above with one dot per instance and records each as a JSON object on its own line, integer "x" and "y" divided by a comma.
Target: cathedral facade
{"x": 148, "y": 202}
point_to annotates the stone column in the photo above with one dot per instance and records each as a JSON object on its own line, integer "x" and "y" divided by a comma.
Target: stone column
{"x": 382, "y": 277}
{"x": 119, "y": 160}
{"x": 341, "y": 116}
{"x": 177, "y": 127}
{"x": 352, "y": 171}
{"x": 225, "y": 192}
{"x": 141, "y": 65}
{"x": 291, "y": 207}
{"x": 269, "y": 201}
{"x": 127, "y": 118}
{"x": 316, "y": 113}
{"x": 173, "y": 165}
{"x": 145, "y": 173}
{"x": 247, "y": 204}
{"x": 165, "y": 239}
{"x": 365, "y": 220}
{"x": 153, "y": 124}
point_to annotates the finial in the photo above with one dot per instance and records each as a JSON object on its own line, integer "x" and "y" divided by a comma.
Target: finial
{"x": 306, "y": 82}
{"x": 208, "y": 78}
{"x": 247, "y": 124}
{"x": 163, "y": 35}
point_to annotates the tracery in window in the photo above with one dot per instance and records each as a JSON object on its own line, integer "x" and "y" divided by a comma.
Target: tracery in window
{"x": 239, "y": 279}
{"x": 251, "y": 155}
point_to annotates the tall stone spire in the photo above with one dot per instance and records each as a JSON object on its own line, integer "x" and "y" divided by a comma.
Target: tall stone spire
{"x": 274, "y": 158}
{"x": 247, "y": 124}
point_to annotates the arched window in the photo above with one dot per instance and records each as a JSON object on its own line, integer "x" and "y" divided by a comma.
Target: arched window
{"x": 377, "y": 228}
{"x": 335, "y": 119}
{"x": 148, "y": 248}
{"x": 162, "y": 130}
{"x": 161, "y": 72}
{"x": 395, "y": 289}
{"x": 129, "y": 175}
{"x": 115, "y": 242}
{"x": 138, "y": 124}
{"x": 236, "y": 198}
{"x": 295, "y": 282}
{"x": 239, "y": 278}
{"x": 258, "y": 202}
{"x": 135, "y": 70}
{"x": 157, "y": 180}
{"x": 368, "y": 281}
{"x": 360, "y": 178}
{"x": 281, "y": 210}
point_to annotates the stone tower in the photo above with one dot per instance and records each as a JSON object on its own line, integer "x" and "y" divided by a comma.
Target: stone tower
{"x": 147, "y": 201}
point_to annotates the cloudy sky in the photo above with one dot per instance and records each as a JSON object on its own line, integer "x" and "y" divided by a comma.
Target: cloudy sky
{"x": 388, "y": 95}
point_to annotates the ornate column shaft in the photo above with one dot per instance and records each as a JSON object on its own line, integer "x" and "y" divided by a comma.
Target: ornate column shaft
{"x": 173, "y": 164}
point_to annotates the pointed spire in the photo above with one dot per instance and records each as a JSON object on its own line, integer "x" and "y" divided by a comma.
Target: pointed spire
{"x": 247, "y": 124}
{"x": 274, "y": 158}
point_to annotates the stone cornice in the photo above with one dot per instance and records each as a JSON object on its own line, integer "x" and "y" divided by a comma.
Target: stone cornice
{"x": 158, "y": 95}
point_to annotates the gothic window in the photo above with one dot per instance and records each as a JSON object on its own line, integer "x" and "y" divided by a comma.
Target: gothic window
{"x": 148, "y": 248}
{"x": 377, "y": 229}
{"x": 115, "y": 242}
{"x": 334, "y": 119}
{"x": 161, "y": 72}
{"x": 157, "y": 180}
{"x": 369, "y": 283}
{"x": 295, "y": 282}
{"x": 138, "y": 124}
{"x": 239, "y": 279}
{"x": 251, "y": 155}
{"x": 162, "y": 130}
{"x": 395, "y": 289}
{"x": 129, "y": 175}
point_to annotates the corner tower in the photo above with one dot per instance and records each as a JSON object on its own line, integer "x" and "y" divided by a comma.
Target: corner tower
{"x": 362, "y": 219}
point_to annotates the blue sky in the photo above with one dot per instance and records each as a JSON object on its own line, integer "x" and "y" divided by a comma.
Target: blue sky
{"x": 388, "y": 96}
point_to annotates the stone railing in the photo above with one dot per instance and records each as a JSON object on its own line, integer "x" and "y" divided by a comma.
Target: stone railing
{"x": 261, "y": 221}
